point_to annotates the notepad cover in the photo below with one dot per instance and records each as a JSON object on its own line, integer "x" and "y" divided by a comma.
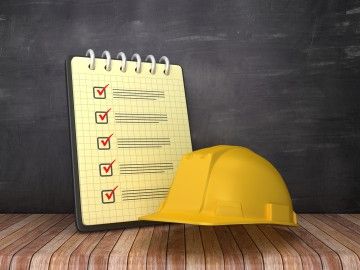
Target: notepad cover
{"x": 128, "y": 133}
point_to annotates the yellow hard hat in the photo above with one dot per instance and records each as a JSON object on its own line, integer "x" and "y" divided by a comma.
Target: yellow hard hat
{"x": 225, "y": 185}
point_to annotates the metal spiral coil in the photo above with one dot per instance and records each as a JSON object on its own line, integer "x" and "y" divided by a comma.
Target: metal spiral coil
{"x": 123, "y": 67}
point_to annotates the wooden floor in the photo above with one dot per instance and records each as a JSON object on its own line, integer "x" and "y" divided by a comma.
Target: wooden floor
{"x": 52, "y": 241}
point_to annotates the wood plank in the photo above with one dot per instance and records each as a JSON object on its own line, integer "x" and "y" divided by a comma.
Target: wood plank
{"x": 19, "y": 229}
{"x": 139, "y": 249}
{"x": 156, "y": 256}
{"x": 176, "y": 247}
{"x": 342, "y": 234}
{"x": 11, "y": 221}
{"x": 335, "y": 231}
{"x": 41, "y": 259}
{"x": 351, "y": 218}
{"x": 272, "y": 258}
{"x": 348, "y": 258}
{"x": 27, "y": 235}
{"x": 195, "y": 258}
{"x": 119, "y": 255}
{"x": 60, "y": 258}
{"x": 233, "y": 258}
{"x": 329, "y": 258}
{"x": 100, "y": 256}
{"x": 252, "y": 257}
{"x": 310, "y": 259}
{"x": 22, "y": 258}
{"x": 291, "y": 259}
{"x": 15, "y": 224}
{"x": 346, "y": 227}
{"x": 7, "y": 217}
{"x": 79, "y": 258}
{"x": 214, "y": 258}
{"x": 51, "y": 241}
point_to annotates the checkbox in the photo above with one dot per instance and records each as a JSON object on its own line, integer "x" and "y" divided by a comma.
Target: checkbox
{"x": 101, "y": 117}
{"x": 103, "y": 143}
{"x": 107, "y": 196}
{"x": 105, "y": 169}
{"x": 99, "y": 92}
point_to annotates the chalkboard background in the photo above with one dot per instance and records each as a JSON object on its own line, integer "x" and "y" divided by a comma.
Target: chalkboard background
{"x": 281, "y": 77}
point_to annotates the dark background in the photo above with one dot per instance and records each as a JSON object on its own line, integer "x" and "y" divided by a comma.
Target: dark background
{"x": 281, "y": 77}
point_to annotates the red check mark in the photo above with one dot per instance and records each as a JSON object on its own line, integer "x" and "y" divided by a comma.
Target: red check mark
{"x": 100, "y": 92}
{"x": 107, "y": 168}
{"x": 105, "y": 142}
{"x": 111, "y": 193}
{"x": 102, "y": 116}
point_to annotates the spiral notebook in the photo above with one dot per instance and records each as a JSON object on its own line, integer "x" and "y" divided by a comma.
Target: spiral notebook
{"x": 129, "y": 128}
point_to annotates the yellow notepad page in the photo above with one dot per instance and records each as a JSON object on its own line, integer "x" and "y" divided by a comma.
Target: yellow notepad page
{"x": 131, "y": 130}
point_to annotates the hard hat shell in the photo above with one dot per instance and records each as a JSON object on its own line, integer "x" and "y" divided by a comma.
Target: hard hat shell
{"x": 224, "y": 185}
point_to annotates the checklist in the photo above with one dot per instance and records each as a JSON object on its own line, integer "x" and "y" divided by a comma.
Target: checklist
{"x": 129, "y": 132}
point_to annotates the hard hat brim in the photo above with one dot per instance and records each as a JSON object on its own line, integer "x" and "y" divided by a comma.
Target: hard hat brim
{"x": 202, "y": 219}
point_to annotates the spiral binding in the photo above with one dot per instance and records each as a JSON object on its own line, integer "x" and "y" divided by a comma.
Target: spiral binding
{"x": 121, "y": 56}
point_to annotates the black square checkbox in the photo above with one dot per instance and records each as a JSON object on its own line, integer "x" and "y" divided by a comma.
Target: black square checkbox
{"x": 107, "y": 196}
{"x": 101, "y": 117}
{"x": 103, "y": 143}
{"x": 99, "y": 92}
{"x": 105, "y": 169}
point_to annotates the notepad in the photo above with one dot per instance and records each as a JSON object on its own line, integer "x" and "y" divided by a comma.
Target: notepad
{"x": 129, "y": 130}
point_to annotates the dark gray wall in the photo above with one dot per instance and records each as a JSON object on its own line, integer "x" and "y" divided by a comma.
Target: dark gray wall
{"x": 281, "y": 77}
